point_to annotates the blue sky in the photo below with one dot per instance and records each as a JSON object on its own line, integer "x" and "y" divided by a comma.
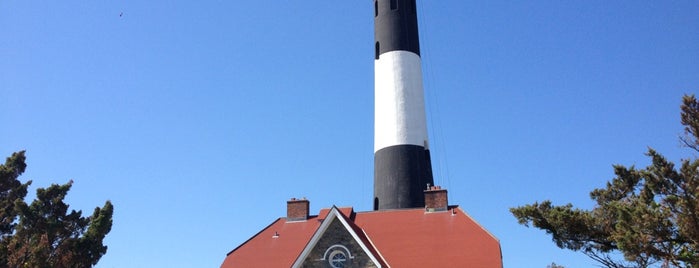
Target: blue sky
{"x": 199, "y": 120}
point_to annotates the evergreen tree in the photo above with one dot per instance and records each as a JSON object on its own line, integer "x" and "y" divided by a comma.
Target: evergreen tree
{"x": 11, "y": 190}
{"x": 44, "y": 233}
{"x": 649, "y": 215}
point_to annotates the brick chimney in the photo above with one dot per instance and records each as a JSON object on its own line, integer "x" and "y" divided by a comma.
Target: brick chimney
{"x": 297, "y": 209}
{"x": 436, "y": 199}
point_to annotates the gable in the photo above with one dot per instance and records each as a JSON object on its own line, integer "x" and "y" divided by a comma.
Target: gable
{"x": 335, "y": 245}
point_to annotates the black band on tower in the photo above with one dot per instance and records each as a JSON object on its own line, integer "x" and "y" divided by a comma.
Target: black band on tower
{"x": 406, "y": 170}
{"x": 395, "y": 26}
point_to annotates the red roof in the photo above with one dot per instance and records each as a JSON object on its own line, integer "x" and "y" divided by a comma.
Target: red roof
{"x": 400, "y": 238}
{"x": 413, "y": 238}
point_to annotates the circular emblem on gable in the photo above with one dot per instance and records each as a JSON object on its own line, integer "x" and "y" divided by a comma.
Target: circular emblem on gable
{"x": 337, "y": 259}
{"x": 338, "y": 256}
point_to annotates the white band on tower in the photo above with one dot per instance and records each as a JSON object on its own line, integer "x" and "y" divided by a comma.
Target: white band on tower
{"x": 399, "y": 101}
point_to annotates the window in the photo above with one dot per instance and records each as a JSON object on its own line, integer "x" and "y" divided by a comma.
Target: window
{"x": 337, "y": 259}
{"x": 376, "y": 8}
{"x": 338, "y": 256}
{"x": 394, "y": 4}
{"x": 376, "y": 57}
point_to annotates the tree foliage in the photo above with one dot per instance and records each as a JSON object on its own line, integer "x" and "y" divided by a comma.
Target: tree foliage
{"x": 649, "y": 215}
{"x": 44, "y": 233}
{"x": 554, "y": 265}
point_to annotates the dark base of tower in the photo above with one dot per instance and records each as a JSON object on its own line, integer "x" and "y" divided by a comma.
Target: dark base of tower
{"x": 401, "y": 174}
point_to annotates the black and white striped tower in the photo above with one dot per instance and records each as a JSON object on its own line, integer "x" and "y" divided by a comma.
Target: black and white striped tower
{"x": 402, "y": 167}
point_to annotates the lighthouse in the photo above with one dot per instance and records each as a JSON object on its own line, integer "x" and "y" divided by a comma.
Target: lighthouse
{"x": 402, "y": 165}
{"x": 427, "y": 231}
